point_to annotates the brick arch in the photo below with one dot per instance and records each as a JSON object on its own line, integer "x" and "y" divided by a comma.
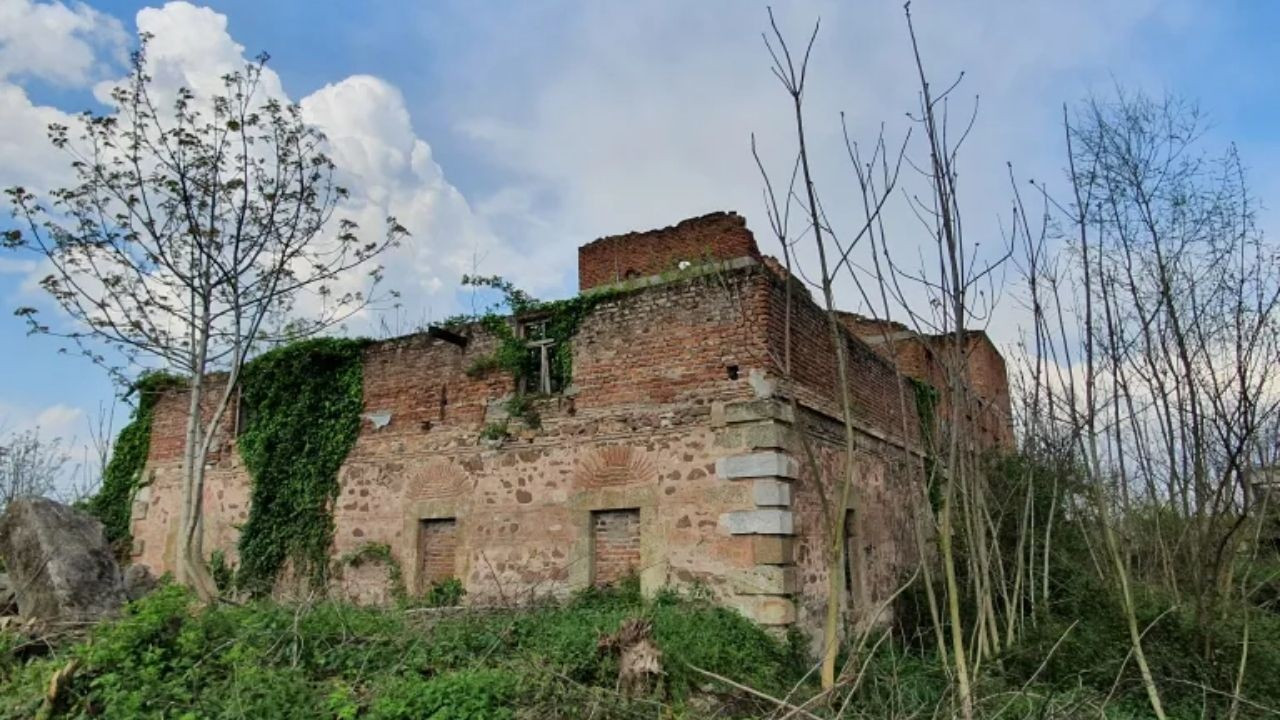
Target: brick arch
{"x": 434, "y": 479}
{"x": 613, "y": 465}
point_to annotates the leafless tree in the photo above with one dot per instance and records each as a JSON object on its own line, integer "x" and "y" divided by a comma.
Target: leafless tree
{"x": 29, "y": 465}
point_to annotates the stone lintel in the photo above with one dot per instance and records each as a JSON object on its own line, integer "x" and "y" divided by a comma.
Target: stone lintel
{"x": 758, "y": 464}
{"x": 771, "y": 492}
{"x": 768, "y": 521}
{"x": 772, "y": 549}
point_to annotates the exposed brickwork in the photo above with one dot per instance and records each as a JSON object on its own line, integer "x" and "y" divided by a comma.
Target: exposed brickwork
{"x": 718, "y": 236}
{"x": 437, "y": 551}
{"x": 669, "y": 380}
{"x": 615, "y": 545}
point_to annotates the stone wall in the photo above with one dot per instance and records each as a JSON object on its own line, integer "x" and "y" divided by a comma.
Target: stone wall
{"x": 633, "y": 432}
{"x": 676, "y": 450}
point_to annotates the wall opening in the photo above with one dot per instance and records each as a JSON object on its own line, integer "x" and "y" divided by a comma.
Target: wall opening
{"x": 541, "y": 375}
{"x": 437, "y": 551}
{"x": 615, "y": 545}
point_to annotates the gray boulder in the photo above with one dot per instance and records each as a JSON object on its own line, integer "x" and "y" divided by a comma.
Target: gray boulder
{"x": 60, "y": 565}
{"x": 8, "y": 598}
{"x": 138, "y": 581}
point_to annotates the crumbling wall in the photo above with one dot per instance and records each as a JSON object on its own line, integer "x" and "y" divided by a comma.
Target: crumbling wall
{"x": 634, "y": 432}
{"x": 717, "y": 236}
{"x": 676, "y": 414}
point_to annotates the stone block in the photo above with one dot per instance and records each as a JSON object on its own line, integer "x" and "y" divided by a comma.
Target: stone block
{"x": 759, "y": 464}
{"x": 769, "y": 492}
{"x": 765, "y": 580}
{"x": 768, "y": 521}
{"x": 753, "y": 410}
{"x": 772, "y": 549}
{"x": 139, "y": 511}
{"x": 766, "y": 609}
{"x": 718, "y": 417}
{"x": 59, "y": 561}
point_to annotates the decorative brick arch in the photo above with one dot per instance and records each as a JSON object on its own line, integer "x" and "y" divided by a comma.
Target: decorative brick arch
{"x": 613, "y": 465}
{"x": 434, "y": 479}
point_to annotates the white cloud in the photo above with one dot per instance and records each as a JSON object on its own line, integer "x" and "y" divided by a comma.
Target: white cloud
{"x": 26, "y": 157}
{"x": 53, "y": 421}
{"x": 59, "y": 43}
{"x": 632, "y": 116}
{"x": 388, "y": 169}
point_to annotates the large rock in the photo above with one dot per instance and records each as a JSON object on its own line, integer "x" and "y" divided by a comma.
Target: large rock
{"x": 60, "y": 565}
{"x": 138, "y": 581}
{"x": 8, "y": 598}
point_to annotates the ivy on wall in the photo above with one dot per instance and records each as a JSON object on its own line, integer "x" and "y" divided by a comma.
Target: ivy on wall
{"x": 927, "y": 397}
{"x": 514, "y": 355}
{"x": 113, "y": 503}
{"x": 301, "y": 416}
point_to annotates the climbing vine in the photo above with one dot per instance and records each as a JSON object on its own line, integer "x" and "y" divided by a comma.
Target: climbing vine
{"x": 926, "y": 397}
{"x": 301, "y": 415}
{"x": 514, "y": 355}
{"x": 122, "y": 477}
{"x": 377, "y": 553}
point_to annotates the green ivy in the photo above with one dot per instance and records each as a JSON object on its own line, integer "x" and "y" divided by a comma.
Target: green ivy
{"x": 514, "y": 354}
{"x": 302, "y": 407}
{"x": 122, "y": 477}
{"x": 926, "y": 397}
{"x": 378, "y": 553}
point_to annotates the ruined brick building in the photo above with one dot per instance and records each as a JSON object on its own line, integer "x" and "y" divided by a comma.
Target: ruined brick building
{"x": 677, "y": 452}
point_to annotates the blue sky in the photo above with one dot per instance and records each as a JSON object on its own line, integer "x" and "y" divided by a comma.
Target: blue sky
{"x": 507, "y": 133}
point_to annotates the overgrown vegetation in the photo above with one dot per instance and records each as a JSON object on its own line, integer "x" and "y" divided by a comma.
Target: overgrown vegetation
{"x": 169, "y": 658}
{"x": 557, "y": 322}
{"x": 379, "y": 553}
{"x": 122, "y": 477}
{"x": 301, "y": 417}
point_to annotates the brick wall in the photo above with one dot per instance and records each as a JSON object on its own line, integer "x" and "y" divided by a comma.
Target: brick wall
{"x": 638, "y": 429}
{"x": 437, "y": 551}
{"x": 875, "y": 386}
{"x": 615, "y": 545}
{"x": 717, "y": 236}
{"x": 673, "y": 344}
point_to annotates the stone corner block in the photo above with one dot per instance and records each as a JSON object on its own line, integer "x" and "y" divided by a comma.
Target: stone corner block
{"x": 758, "y": 464}
{"x": 769, "y": 521}
{"x": 718, "y": 419}
{"x": 765, "y": 580}
{"x": 756, "y": 410}
{"x": 770, "y": 492}
{"x": 769, "y": 610}
{"x": 772, "y": 549}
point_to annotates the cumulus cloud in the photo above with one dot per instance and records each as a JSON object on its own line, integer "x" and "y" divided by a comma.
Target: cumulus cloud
{"x": 54, "y": 421}
{"x": 388, "y": 169}
{"x": 58, "y": 43}
{"x": 635, "y": 115}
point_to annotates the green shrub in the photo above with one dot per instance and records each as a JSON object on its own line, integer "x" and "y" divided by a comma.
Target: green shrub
{"x": 447, "y": 593}
{"x": 167, "y": 657}
{"x": 457, "y": 695}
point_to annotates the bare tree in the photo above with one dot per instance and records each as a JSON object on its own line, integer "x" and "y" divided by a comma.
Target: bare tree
{"x": 29, "y": 465}
{"x": 198, "y": 230}
{"x": 1156, "y": 332}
